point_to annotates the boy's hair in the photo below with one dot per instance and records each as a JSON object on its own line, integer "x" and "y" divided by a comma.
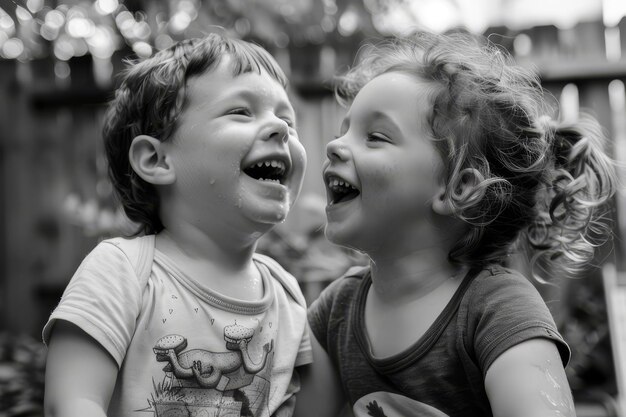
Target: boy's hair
{"x": 514, "y": 176}
{"x": 149, "y": 100}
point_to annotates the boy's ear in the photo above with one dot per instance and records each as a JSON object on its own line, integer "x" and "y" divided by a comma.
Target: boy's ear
{"x": 149, "y": 159}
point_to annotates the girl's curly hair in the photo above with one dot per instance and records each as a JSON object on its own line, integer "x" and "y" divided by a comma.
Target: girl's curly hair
{"x": 516, "y": 178}
{"x": 149, "y": 100}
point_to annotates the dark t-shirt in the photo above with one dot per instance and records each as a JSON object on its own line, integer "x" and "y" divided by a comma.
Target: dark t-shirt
{"x": 442, "y": 374}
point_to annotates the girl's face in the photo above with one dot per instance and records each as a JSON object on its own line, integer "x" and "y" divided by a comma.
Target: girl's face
{"x": 383, "y": 171}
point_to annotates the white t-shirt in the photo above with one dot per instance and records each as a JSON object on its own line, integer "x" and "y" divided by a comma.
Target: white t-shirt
{"x": 183, "y": 349}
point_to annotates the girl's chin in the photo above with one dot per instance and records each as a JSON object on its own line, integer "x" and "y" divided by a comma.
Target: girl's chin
{"x": 339, "y": 237}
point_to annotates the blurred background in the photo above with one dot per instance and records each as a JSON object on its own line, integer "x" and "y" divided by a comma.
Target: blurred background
{"x": 59, "y": 62}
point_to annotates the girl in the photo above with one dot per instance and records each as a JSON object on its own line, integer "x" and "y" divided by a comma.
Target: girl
{"x": 444, "y": 167}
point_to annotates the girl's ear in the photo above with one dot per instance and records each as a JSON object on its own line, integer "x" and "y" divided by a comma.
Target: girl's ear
{"x": 440, "y": 204}
{"x": 465, "y": 190}
{"x": 149, "y": 159}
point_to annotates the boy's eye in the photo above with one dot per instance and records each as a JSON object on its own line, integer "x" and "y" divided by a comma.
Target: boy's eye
{"x": 240, "y": 111}
{"x": 288, "y": 120}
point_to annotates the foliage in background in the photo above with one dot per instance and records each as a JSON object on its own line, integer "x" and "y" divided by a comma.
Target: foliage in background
{"x": 591, "y": 371}
{"x": 22, "y": 365}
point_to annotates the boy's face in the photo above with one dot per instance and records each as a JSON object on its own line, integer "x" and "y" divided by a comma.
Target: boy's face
{"x": 386, "y": 156}
{"x": 238, "y": 161}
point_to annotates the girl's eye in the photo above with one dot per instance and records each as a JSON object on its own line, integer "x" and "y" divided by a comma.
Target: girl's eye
{"x": 377, "y": 137}
{"x": 343, "y": 131}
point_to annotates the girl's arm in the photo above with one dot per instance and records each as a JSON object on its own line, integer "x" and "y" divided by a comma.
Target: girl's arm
{"x": 80, "y": 374}
{"x": 321, "y": 393}
{"x": 528, "y": 380}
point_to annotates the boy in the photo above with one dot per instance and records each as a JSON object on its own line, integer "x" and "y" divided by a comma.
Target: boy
{"x": 203, "y": 154}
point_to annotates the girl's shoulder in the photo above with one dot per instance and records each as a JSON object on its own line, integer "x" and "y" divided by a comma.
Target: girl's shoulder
{"x": 502, "y": 307}
{"x": 344, "y": 289}
{"x": 496, "y": 274}
{"x": 356, "y": 272}
{"x": 497, "y": 282}
{"x": 350, "y": 279}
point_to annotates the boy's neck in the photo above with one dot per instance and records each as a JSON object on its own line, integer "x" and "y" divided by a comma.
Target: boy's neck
{"x": 226, "y": 269}
{"x": 188, "y": 243}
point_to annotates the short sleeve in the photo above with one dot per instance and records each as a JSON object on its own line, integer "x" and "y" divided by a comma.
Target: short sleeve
{"x": 319, "y": 313}
{"x": 292, "y": 290}
{"x": 334, "y": 304}
{"x": 305, "y": 351}
{"x": 508, "y": 310}
{"x": 103, "y": 298}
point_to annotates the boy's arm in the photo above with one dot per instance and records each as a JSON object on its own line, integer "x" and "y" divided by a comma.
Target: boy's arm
{"x": 529, "y": 380}
{"x": 80, "y": 374}
{"x": 321, "y": 394}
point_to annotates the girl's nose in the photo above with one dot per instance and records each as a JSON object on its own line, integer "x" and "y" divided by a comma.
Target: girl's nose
{"x": 336, "y": 150}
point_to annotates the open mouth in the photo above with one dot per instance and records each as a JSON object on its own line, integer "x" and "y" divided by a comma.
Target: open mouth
{"x": 340, "y": 190}
{"x": 273, "y": 170}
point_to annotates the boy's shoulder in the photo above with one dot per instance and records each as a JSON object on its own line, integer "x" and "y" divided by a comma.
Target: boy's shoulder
{"x": 138, "y": 250}
{"x": 288, "y": 281}
{"x": 135, "y": 248}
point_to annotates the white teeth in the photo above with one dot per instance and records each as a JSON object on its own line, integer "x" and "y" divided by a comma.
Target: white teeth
{"x": 273, "y": 163}
{"x": 336, "y": 182}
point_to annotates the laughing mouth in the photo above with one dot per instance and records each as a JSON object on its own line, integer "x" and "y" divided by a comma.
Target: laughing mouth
{"x": 273, "y": 170}
{"x": 340, "y": 190}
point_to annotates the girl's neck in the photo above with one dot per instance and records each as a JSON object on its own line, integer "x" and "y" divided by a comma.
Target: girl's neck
{"x": 412, "y": 275}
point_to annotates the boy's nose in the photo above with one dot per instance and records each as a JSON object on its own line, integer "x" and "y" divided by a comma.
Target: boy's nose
{"x": 336, "y": 150}
{"x": 278, "y": 130}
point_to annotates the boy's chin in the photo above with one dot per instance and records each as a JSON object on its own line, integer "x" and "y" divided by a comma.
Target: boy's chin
{"x": 266, "y": 204}
{"x": 265, "y": 213}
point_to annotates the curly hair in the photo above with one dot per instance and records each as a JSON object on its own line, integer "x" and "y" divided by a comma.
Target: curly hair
{"x": 517, "y": 179}
{"x": 149, "y": 100}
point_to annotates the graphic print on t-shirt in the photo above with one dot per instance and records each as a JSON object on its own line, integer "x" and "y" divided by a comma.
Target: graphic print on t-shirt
{"x": 201, "y": 382}
{"x": 387, "y": 404}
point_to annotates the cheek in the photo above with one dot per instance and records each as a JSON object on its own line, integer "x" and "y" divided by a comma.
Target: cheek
{"x": 399, "y": 187}
{"x": 298, "y": 156}
{"x": 196, "y": 167}
{"x": 380, "y": 177}
{"x": 379, "y": 183}
{"x": 206, "y": 169}
{"x": 376, "y": 174}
